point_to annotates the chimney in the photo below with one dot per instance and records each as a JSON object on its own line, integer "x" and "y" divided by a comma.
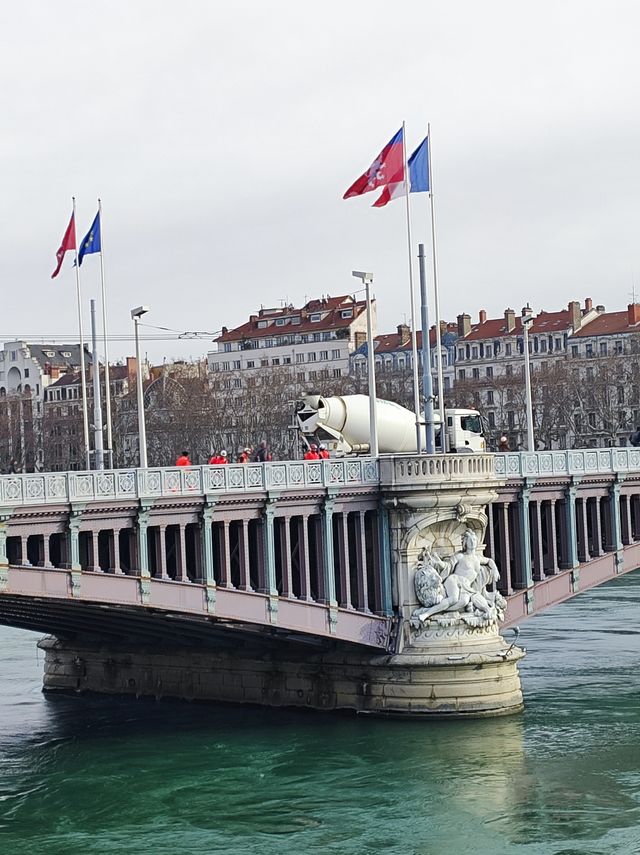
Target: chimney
{"x": 633, "y": 314}
{"x": 131, "y": 368}
{"x": 599, "y": 309}
{"x": 482, "y": 316}
{"x": 403, "y": 333}
{"x": 588, "y": 304}
{"x": 575, "y": 315}
{"x": 509, "y": 320}
{"x": 464, "y": 325}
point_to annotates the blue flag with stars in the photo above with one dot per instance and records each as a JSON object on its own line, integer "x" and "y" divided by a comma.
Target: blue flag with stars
{"x": 91, "y": 241}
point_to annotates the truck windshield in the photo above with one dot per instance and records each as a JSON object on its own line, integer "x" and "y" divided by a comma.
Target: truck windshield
{"x": 471, "y": 423}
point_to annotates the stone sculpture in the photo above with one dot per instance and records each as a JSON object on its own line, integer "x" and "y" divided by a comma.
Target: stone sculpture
{"x": 456, "y": 588}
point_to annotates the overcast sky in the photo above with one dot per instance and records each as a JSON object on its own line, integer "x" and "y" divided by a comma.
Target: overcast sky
{"x": 221, "y": 138}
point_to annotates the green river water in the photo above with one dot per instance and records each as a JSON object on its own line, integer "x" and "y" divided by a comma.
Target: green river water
{"x": 104, "y": 775}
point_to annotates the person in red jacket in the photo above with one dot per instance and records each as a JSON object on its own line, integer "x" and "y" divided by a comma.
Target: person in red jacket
{"x": 217, "y": 459}
{"x": 244, "y": 456}
{"x": 183, "y": 460}
{"x": 323, "y": 452}
{"x": 311, "y": 453}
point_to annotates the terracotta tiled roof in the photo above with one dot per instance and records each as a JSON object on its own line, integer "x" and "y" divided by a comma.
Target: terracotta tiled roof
{"x": 544, "y": 322}
{"x": 608, "y": 323}
{"x": 331, "y": 308}
{"x": 493, "y": 328}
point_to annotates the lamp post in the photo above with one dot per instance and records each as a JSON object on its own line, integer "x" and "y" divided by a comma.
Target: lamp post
{"x": 527, "y": 321}
{"x": 367, "y": 279}
{"x": 136, "y": 314}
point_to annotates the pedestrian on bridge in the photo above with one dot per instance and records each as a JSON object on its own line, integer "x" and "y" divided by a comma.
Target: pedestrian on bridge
{"x": 183, "y": 459}
{"x": 262, "y": 455}
{"x": 311, "y": 453}
{"x": 634, "y": 439}
{"x": 217, "y": 459}
{"x": 245, "y": 455}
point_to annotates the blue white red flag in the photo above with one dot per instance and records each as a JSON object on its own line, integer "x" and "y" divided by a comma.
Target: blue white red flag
{"x": 418, "y": 177}
{"x": 387, "y": 164}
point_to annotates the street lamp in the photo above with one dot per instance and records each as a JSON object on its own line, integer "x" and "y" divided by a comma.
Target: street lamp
{"x": 136, "y": 314}
{"x": 367, "y": 279}
{"x": 527, "y": 321}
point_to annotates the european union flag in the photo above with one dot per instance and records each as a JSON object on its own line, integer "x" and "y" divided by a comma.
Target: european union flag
{"x": 419, "y": 168}
{"x": 91, "y": 241}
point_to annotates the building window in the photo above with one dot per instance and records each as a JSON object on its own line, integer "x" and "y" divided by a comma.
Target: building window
{"x": 476, "y": 373}
{"x": 588, "y": 349}
{"x": 299, "y": 357}
{"x": 335, "y": 353}
{"x": 26, "y": 372}
{"x": 490, "y": 396}
{"x": 311, "y": 357}
{"x": 295, "y": 319}
{"x": 251, "y": 364}
{"x": 227, "y": 346}
{"x": 346, "y": 313}
{"x": 487, "y": 350}
{"x": 461, "y": 374}
{"x": 621, "y": 394}
{"x": 300, "y": 376}
{"x": 575, "y": 351}
{"x": 262, "y": 324}
{"x": 491, "y": 418}
{"x": 225, "y": 366}
{"x": 474, "y": 352}
{"x": 603, "y": 348}
{"x": 237, "y": 383}
{"x": 461, "y": 353}
{"x": 511, "y": 419}
{"x": 324, "y": 355}
{"x": 617, "y": 348}
{"x": 280, "y": 322}
{"x": 312, "y": 375}
{"x": 558, "y": 344}
{"x": 286, "y": 360}
{"x": 275, "y": 361}
{"x": 337, "y": 372}
{"x": 508, "y": 348}
{"x": 236, "y": 365}
{"x": 508, "y": 370}
{"x": 590, "y": 374}
{"x": 592, "y": 420}
{"x": 315, "y": 318}
{"x": 489, "y": 371}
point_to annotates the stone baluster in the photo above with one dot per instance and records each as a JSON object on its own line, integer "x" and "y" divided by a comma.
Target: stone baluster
{"x": 584, "y": 554}
{"x": 245, "y": 575}
{"x": 345, "y": 574}
{"x": 384, "y": 569}
{"x": 525, "y": 579}
{"x": 114, "y": 552}
{"x": 328, "y": 567}
{"x": 553, "y": 539}
{"x": 305, "y": 571}
{"x": 24, "y": 554}
{"x": 162, "y": 552}
{"x": 362, "y": 585}
{"x": 629, "y": 524}
{"x": 181, "y": 563}
{"x": 505, "y": 550}
{"x": 287, "y": 575}
{"x": 538, "y": 548}
{"x": 95, "y": 552}
{"x": 226, "y": 555}
{"x": 269, "y": 557}
{"x": 615, "y": 527}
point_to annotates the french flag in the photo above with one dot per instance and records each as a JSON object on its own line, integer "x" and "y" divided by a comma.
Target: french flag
{"x": 384, "y": 169}
{"x": 418, "y": 177}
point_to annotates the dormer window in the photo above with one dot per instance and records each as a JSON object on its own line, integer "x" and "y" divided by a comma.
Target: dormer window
{"x": 280, "y": 322}
{"x": 262, "y": 324}
{"x": 346, "y": 313}
{"x": 49, "y": 353}
{"x": 295, "y": 319}
{"x": 65, "y": 353}
{"x": 315, "y": 317}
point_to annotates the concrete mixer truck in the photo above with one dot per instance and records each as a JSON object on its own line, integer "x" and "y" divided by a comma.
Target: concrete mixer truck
{"x": 341, "y": 422}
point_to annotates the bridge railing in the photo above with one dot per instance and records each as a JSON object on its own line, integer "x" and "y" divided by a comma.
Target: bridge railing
{"x": 66, "y": 487}
{"x": 577, "y": 461}
{"x": 407, "y": 470}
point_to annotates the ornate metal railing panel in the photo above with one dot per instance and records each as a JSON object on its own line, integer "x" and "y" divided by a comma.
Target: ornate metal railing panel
{"x": 65, "y": 487}
{"x": 577, "y": 461}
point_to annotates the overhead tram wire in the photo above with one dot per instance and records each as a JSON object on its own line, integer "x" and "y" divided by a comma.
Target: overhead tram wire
{"x": 176, "y": 335}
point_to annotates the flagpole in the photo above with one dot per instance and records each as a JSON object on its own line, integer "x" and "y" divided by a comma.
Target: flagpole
{"x": 85, "y": 412}
{"x": 107, "y": 384}
{"x": 436, "y": 301}
{"x": 414, "y": 339}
